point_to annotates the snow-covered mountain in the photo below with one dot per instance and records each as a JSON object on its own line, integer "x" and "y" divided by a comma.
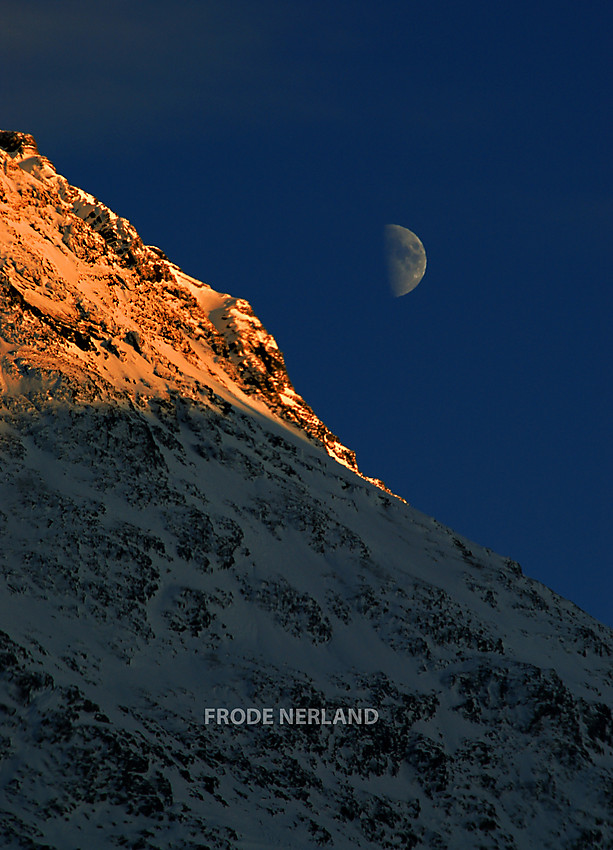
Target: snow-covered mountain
{"x": 180, "y": 533}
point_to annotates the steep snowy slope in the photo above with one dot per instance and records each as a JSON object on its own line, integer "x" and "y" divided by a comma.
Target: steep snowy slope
{"x": 180, "y": 532}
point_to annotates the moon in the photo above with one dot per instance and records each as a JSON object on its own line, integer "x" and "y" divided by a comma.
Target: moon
{"x": 406, "y": 258}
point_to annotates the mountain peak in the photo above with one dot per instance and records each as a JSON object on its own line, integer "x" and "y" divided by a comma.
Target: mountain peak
{"x": 90, "y": 301}
{"x": 17, "y": 143}
{"x": 179, "y": 555}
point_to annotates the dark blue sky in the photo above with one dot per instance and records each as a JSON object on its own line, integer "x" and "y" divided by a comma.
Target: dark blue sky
{"x": 264, "y": 145}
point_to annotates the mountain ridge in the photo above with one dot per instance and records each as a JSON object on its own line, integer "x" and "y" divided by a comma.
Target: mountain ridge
{"x": 186, "y": 310}
{"x": 171, "y": 543}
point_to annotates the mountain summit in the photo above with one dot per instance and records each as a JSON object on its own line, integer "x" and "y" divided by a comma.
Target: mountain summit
{"x": 214, "y": 632}
{"x": 137, "y": 327}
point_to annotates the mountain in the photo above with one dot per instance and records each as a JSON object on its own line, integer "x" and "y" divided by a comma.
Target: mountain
{"x": 186, "y": 547}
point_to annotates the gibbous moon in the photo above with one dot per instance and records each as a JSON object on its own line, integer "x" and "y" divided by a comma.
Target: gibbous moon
{"x": 406, "y": 258}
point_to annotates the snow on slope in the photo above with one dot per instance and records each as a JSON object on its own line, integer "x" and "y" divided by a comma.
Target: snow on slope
{"x": 140, "y": 325}
{"x": 172, "y": 541}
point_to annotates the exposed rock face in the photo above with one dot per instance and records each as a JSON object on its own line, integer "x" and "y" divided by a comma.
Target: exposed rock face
{"x": 174, "y": 537}
{"x": 75, "y": 272}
